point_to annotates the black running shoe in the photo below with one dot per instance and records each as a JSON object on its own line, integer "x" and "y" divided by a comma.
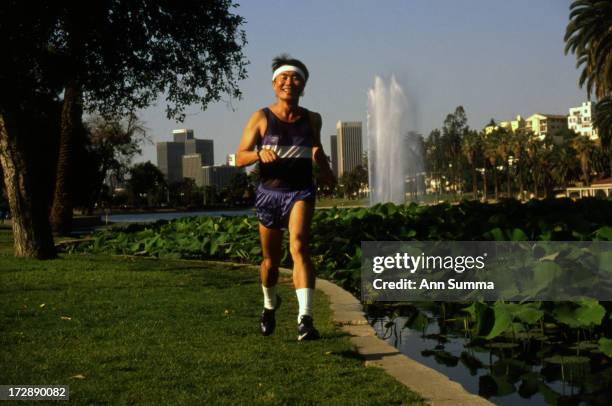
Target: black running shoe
{"x": 306, "y": 329}
{"x": 267, "y": 321}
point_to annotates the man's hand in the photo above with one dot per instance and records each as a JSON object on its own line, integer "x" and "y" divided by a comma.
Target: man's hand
{"x": 267, "y": 156}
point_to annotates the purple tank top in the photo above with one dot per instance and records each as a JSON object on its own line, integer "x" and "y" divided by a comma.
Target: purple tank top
{"x": 293, "y": 143}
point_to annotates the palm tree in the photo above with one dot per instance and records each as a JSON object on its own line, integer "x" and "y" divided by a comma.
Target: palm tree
{"x": 603, "y": 122}
{"x": 491, "y": 153}
{"x": 471, "y": 148}
{"x": 434, "y": 157}
{"x": 503, "y": 152}
{"x": 562, "y": 160}
{"x": 536, "y": 161}
{"x": 482, "y": 159}
{"x": 589, "y": 36}
{"x": 584, "y": 149}
{"x": 518, "y": 143}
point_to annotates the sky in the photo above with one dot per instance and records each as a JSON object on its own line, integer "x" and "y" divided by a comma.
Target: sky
{"x": 496, "y": 58}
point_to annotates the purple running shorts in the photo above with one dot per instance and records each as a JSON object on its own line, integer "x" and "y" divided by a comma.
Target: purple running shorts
{"x": 274, "y": 206}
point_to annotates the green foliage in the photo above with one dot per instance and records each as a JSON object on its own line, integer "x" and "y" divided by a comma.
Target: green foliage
{"x": 586, "y": 313}
{"x": 337, "y": 233}
{"x": 336, "y": 247}
{"x": 605, "y": 346}
{"x": 503, "y": 320}
{"x": 146, "y": 182}
{"x": 109, "y": 149}
{"x": 604, "y": 234}
{"x": 588, "y": 37}
{"x": 353, "y": 181}
{"x": 482, "y": 316}
{"x": 507, "y": 313}
{"x": 124, "y": 54}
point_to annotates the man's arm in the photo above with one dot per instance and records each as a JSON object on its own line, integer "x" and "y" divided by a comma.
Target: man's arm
{"x": 318, "y": 155}
{"x": 246, "y": 154}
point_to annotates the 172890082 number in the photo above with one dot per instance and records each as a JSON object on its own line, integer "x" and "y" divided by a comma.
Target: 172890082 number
{"x": 33, "y": 392}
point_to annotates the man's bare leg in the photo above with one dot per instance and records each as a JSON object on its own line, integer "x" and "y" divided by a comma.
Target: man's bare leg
{"x": 299, "y": 240}
{"x": 271, "y": 240}
{"x": 303, "y": 271}
{"x": 268, "y": 272}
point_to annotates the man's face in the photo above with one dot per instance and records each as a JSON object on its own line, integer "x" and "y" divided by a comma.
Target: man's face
{"x": 288, "y": 85}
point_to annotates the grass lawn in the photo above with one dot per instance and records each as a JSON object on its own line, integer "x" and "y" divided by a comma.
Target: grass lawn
{"x": 120, "y": 330}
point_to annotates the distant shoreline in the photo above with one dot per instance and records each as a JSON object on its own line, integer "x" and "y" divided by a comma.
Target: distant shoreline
{"x": 161, "y": 210}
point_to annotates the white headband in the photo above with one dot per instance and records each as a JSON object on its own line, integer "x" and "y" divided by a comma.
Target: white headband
{"x": 288, "y": 68}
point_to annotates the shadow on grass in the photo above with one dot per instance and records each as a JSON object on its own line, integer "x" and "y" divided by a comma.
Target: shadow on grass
{"x": 349, "y": 355}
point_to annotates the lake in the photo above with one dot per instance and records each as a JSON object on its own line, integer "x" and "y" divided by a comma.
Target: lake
{"x": 506, "y": 374}
{"x": 152, "y": 217}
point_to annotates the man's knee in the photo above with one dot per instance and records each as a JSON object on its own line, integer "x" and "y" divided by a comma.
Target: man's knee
{"x": 298, "y": 246}
{"x": 270, "y": 264}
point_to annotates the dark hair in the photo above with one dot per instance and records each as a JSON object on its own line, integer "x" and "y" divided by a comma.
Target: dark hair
{"x": 285, "y": 59}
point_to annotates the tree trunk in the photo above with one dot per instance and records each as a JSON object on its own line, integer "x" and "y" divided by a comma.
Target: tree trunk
{"x": 484, "y": 185}
{"x": 521, "y": 186}
{"x": 495, "y": 184}
{"x": 508, "y": 192}
{"x": 61, "y": 210}
{"x": 475, "y": 183}
{"x": 31, "y": 230}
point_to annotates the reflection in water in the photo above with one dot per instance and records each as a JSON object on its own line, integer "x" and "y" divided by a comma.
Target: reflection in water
{"x": 523, "y": 373}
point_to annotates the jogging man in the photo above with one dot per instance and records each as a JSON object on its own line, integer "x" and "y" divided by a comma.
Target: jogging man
{"x": 288, "y": 140}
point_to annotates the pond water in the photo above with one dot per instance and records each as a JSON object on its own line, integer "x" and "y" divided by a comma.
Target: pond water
{"x": 504, "y": 373}
{"x": 152, "y": 217}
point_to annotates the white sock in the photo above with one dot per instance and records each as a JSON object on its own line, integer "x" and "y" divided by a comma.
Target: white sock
{"x": 269, "y": 297}
{"x": 304, "y": 296}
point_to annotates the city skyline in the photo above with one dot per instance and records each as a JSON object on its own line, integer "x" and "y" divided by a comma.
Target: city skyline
{"x": 491, "y": 57}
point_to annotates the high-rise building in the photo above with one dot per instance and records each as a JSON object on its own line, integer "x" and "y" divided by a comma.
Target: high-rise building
{"x": 170, "y": 160}
{"x": 580, "y": 120}
{"x": 349, "y": 146}
{"x": 170, "y": 155}
{"x": 192, "y": 168}
{"x": 203, "y": 147}
{"x": 334, "y": 154}
{"x": 182, "y": 135}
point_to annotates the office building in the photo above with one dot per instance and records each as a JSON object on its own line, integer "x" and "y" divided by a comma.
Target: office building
{"x": 170, "y": 160}
{"x": 192, "y": 168}
{"x": 202, "y": 147}
{"x": 182, "y": 135}
{"x": 170, "y": 155}
{"x": 349, "y": 146}
{"x": 580, "y": 120}
{"x": 334, "y": 154}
